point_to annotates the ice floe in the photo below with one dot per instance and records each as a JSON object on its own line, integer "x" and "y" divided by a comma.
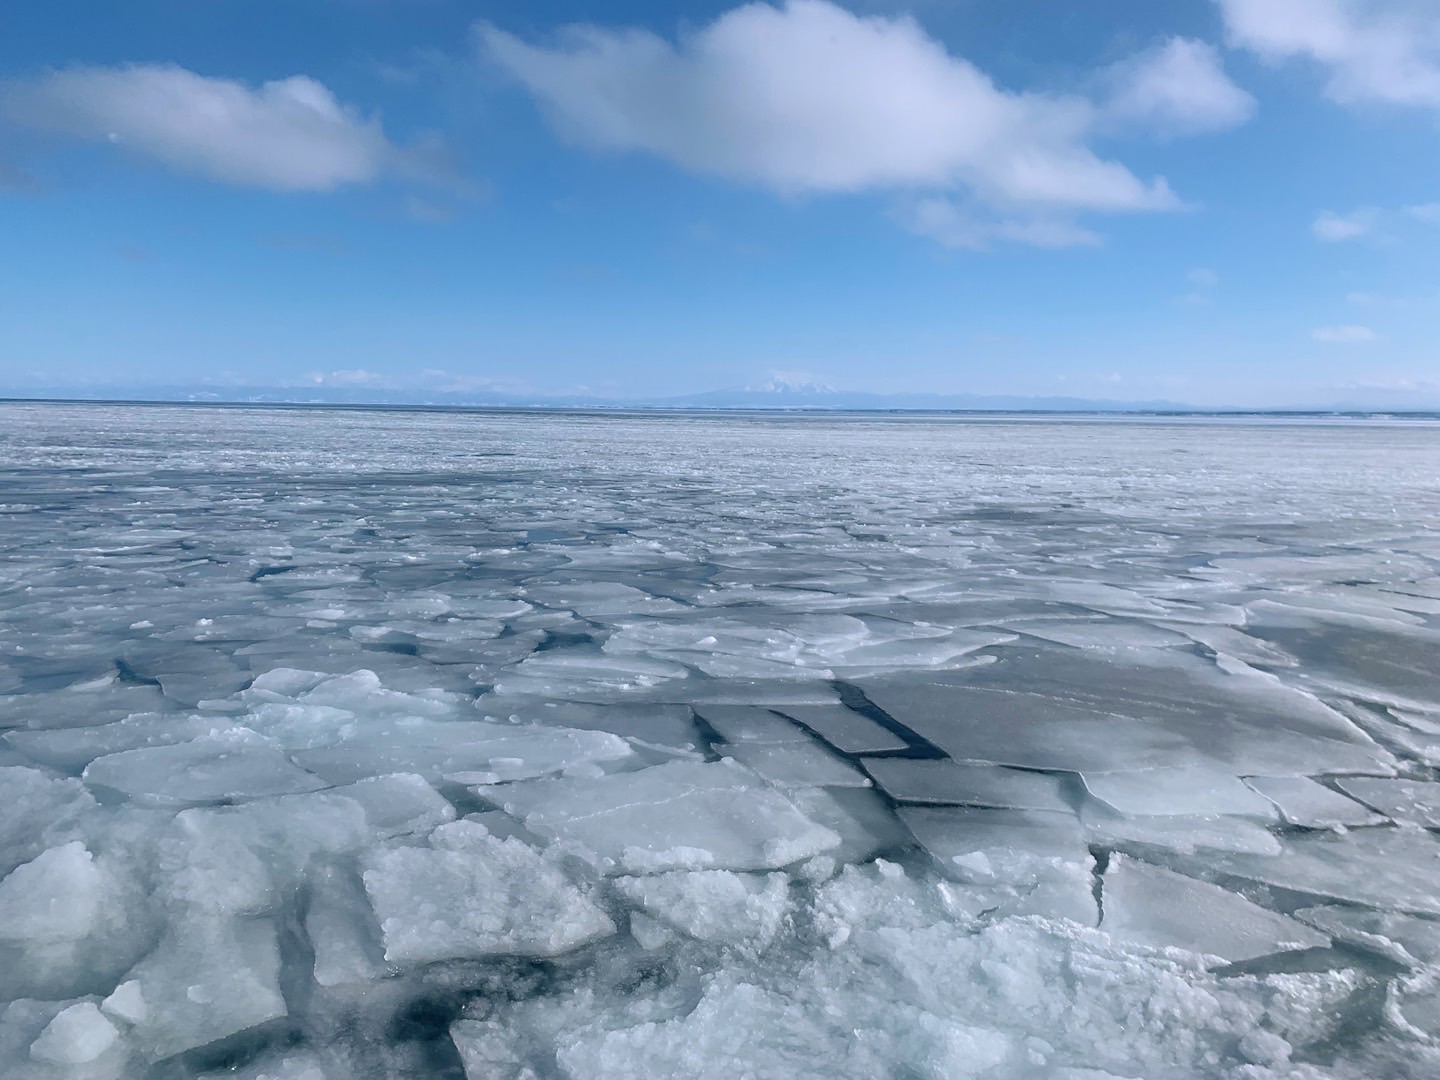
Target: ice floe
{"x": 352, "y": 745}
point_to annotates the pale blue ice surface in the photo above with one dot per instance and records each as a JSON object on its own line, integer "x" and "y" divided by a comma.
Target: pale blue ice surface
{"x": 350, "y": 744}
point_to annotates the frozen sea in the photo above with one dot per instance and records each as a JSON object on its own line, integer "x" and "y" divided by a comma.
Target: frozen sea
{"x": 368, "y": 744}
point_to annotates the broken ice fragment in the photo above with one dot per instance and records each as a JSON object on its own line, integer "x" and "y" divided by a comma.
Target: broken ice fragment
{"x": 845, "y": 729}
{"x": 1193, "y": 790}
{"x": 953, "y": 783}
{"x": 204, "y": 770}
{"x": 680, "y": 815}
{"x": 76, "y": 1036}
{"x": 470, "y": 896}
{"x": 1146, "y": 905}
{"x": 1304, "y": 802}
{"x": 714, "y": 905}
{"x": 1414, "y": 802}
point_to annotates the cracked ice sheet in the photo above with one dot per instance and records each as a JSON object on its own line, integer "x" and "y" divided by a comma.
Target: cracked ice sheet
{"x": 1202, "y": 599}
{"x": 675, "y": 816}
{"x": 1057, "y": 711}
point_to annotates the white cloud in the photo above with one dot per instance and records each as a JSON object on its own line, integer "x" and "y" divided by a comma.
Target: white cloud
{"x": 1179, "y": 88}
{"x": 1384, "y": 51}
{"x": 951, "y": 225}
{"x": 1334, "y": 228}
{"x": 287, "y": 135}
{"x": 1427, "y": 212}
{"x": 1344, "y": 335}
{"x": 809, "y": 98}
{"x": 347, "y": 377}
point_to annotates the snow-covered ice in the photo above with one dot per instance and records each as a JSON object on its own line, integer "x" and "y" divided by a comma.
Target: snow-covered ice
{"x": 370, "y": 744}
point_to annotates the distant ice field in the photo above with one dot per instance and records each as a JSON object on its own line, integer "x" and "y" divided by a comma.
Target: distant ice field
{"x": 370, "y": 744}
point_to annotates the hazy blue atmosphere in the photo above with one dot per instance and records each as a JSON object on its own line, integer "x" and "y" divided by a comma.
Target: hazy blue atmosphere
{"x": 1210, "y": 202}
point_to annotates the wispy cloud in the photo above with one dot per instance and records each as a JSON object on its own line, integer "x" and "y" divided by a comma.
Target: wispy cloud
{"x": 1374, "y": 223}
{"x": 1344, "y": 335}
{"x": 953, "y": 225}
{"x": 1333, "y": 228}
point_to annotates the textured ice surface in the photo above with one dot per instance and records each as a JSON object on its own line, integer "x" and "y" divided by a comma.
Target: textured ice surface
{"x": 1302, "y": 801}
{"x": 469, "y": 895}
{"x": 1148, "y": 905}
{"x": 959, "y": 784}
{"x": 678, "y": 815}
{"x": 368, "y": 744}
{"x": 1416, "y": 802}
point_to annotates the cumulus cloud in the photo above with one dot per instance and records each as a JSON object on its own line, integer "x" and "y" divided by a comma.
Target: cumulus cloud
{"x": 809, "y": 98}
{"x": 1385, "y": 51}
{"x": 1178, "y": 88}
{"x": 287, "y": 135}
{"x": 1334, "y": 228}
{"x": 1343, "y": 335}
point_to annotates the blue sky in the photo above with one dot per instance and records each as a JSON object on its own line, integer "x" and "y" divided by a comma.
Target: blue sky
{"x": 1210, "y": 201}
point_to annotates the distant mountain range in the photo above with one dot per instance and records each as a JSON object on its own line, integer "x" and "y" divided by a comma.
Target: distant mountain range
{"x": 773, "y": 394}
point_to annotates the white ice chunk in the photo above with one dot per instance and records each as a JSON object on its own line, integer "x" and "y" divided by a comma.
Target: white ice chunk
{"x": 804, "y": 764}
{"x": 209, "y": 978}
{"x": 1415, "y": 802}
{"x": 472, "y": 751}
{"x": 985, "y": 845}
{"x": 1179, "y": 833}
{"x": 1405, "y": 939}
{"x": 845, "y": 729}
{"x": 1065, "y": 711}
{"x": 680, "y": 815}
{"x": 1302, "y": 801}
{"x": 342, "y": 931}
{"x": 488, "y": 1051}
{"x": 1112, "y": 633}
{"x": 284, "y": 682}
{"x": 68, "y": 924}
{"x": 74, "y": 748}
{"x": 204, "y": 770}
{"x": 859, "y": 816}
{"x": 1146, "y": 905}
{"x": 398, "y": 804}
{"x": 474, "y": 896}
{"x": 76, "y": 1036}
{"x": 40, "y": 812}
{"x": 644, "y": 724}
{"x": 242, "y": 859}
{"x": 1187, "y": 791}
{"x": 126, "y": 1002}
{"x": 1391, "y": 869}
{"x": 742, "y": 723}
{"x": 714, "y": 905}
{"x": 56, "y": 897}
